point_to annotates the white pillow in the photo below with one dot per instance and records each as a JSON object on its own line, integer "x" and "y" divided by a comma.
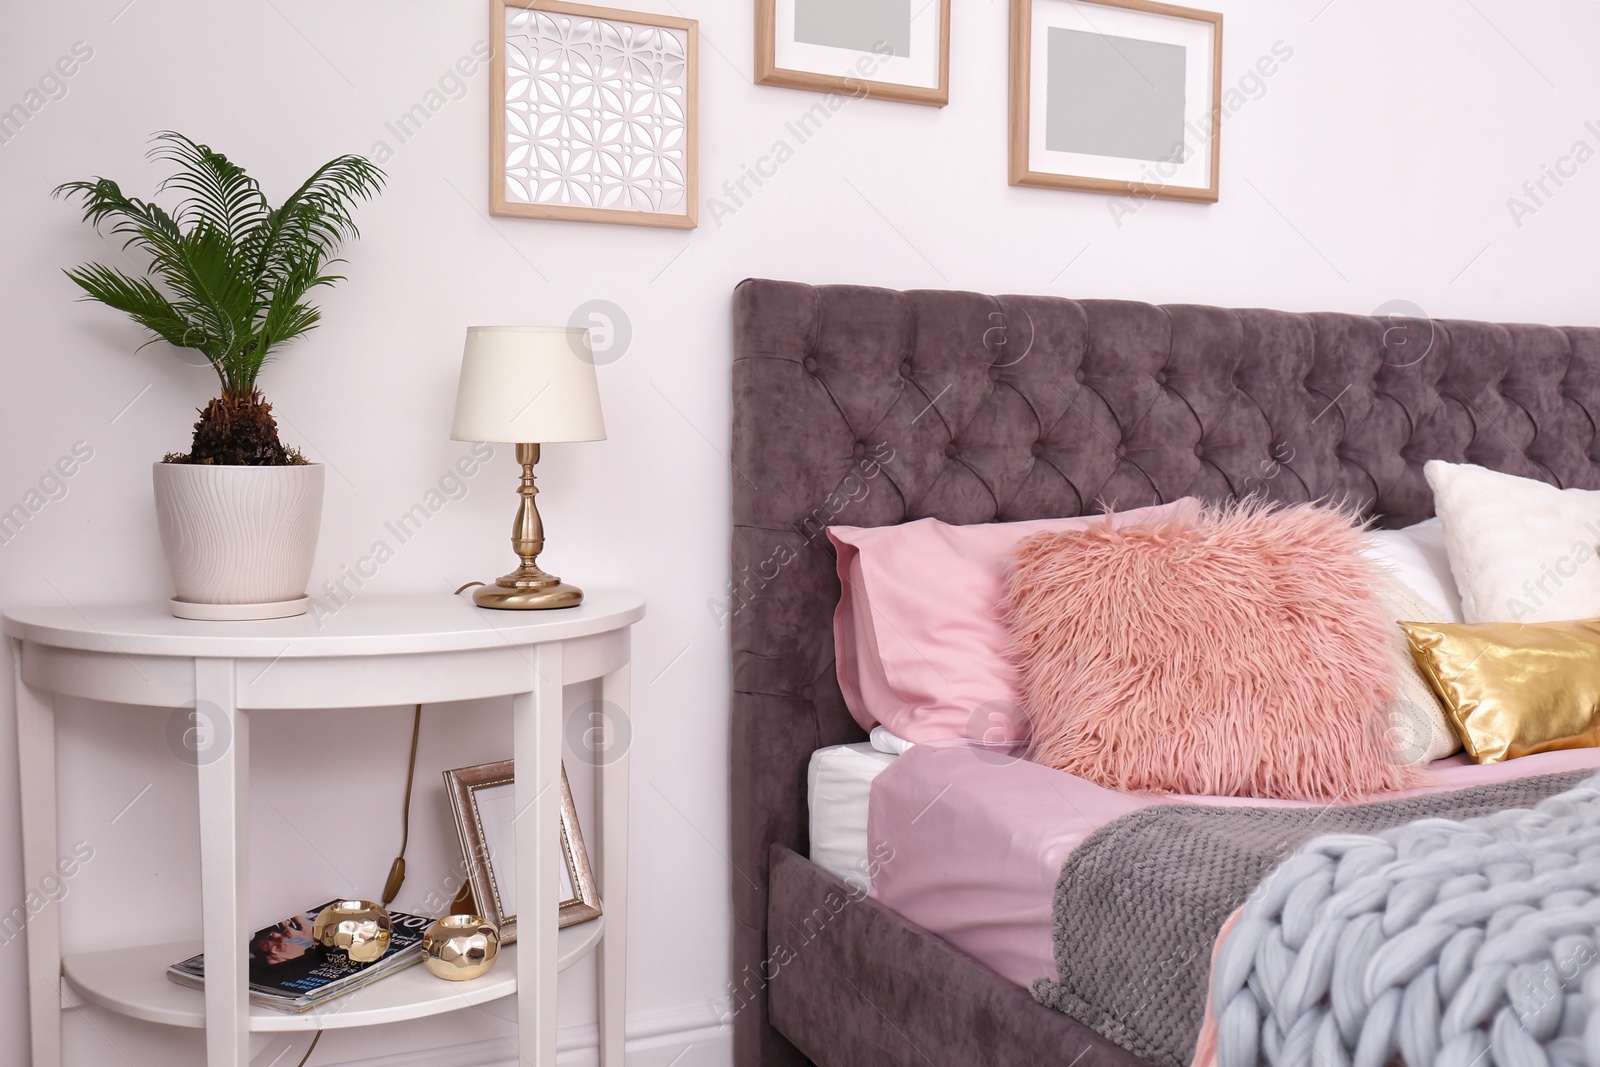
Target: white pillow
{"x": 1521, "y": 550}
{"x": 888, "y": 743}
{"x": 1418, "y": 728}
{"x": 1416, "y": 557}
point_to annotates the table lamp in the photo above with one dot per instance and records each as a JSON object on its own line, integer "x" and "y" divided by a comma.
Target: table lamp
{"x": 527, "y": 385}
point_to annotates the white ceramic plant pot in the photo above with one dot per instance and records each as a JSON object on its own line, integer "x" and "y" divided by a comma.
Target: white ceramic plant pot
{"x": 239, "y": 540}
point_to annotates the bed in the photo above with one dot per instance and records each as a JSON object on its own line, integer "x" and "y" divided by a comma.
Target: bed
{"x": 973, "y": 408}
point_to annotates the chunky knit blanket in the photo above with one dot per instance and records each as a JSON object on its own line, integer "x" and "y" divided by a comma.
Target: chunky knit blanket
{"x": 1448, "y": 943}
{"x": 1138, "y": 906}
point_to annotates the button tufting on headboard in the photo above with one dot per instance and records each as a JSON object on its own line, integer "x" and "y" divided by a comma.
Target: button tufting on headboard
{"x": 849, "y": 403}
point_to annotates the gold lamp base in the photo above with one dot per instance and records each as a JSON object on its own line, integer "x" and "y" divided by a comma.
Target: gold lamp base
{"x": 558, "y": 595}
{"x": 528, "y": 587}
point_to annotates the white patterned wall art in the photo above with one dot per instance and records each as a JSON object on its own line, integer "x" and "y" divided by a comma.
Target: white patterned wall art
{"x": 592, "y": 114}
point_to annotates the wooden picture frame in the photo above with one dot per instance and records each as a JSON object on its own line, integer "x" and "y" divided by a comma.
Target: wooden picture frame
{"x": 485, "y": 837}
{"x": 857, "y": 65}
{"x": 621, "y": 182}
{"x": 1138, "y": 177}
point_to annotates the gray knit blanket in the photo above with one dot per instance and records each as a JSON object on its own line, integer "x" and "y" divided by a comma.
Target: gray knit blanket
{"x": 1139, "y": 904}
{"x": 1448, "y": 943}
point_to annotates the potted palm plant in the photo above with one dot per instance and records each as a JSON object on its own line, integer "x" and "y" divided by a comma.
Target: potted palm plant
{"x": 228, "y": 275}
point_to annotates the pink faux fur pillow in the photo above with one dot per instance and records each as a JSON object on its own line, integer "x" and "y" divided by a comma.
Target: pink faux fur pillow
{"x": 1240, "y": 654}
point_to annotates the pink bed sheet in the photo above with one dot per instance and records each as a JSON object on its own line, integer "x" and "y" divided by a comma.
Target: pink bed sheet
{"x": 978, "y": 839}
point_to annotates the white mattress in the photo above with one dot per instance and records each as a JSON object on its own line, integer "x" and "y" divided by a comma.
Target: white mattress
{"x": 838, "y": 788}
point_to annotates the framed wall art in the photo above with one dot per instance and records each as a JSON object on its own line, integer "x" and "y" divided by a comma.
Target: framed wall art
{"x": 485, "y": 805}
{"x": 1116, "y": 96}
{"x": 592, "y": 114}
{"x": 886, "y": 49}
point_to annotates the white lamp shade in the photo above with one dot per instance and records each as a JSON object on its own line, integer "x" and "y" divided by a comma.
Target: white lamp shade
{"x": 527, "y": 384}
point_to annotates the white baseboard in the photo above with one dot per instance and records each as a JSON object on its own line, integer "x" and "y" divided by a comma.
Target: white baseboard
{"x": 684, "y": 1037}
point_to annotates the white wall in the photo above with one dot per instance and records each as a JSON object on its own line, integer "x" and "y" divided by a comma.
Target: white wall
{"x": 1374, "y": 165}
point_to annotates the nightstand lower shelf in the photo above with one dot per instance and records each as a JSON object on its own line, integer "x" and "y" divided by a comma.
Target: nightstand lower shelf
{"x": 133, "y": 982}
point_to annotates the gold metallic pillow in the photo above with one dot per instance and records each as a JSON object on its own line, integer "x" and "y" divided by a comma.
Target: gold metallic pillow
{"x": 1513, "y": 689}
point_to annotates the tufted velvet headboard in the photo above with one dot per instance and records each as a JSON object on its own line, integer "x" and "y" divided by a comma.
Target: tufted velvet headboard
{"x": 868, "y": 407}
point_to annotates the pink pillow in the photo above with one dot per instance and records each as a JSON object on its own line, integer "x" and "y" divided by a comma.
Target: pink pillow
{"x": 1240, "y": 654}
{"x": 919, "y": 640}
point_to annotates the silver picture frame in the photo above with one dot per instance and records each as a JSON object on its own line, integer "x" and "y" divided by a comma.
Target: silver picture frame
{"x": 483, "y": 800}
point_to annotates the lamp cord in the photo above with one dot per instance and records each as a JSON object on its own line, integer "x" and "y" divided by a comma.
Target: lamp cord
{"x": 397, "y": 870}
{"x": 310, "y": 1049}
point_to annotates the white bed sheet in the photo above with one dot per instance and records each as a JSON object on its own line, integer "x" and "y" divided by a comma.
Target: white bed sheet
{"x": 838, "y": 790}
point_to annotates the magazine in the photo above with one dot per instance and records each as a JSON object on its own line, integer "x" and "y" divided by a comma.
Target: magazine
{"x": 290, "y": 972}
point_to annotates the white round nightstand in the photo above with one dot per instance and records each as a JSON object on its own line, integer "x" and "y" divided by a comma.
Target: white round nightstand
{"x": 376, "y": 651}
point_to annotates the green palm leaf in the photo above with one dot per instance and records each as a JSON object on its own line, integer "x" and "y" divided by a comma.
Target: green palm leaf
{"x": 317, "y": 217}
{"x": 140, "y": 221}
{"x": 142, "y": 302}
{"x": 217, "y": 193}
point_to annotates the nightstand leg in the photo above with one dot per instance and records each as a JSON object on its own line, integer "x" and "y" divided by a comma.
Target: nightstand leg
{"x": 612, "y": 771}
{"x": 36, "y": 772}
{"x": 536, "y": 725}
{"x": 222, "y": 752}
